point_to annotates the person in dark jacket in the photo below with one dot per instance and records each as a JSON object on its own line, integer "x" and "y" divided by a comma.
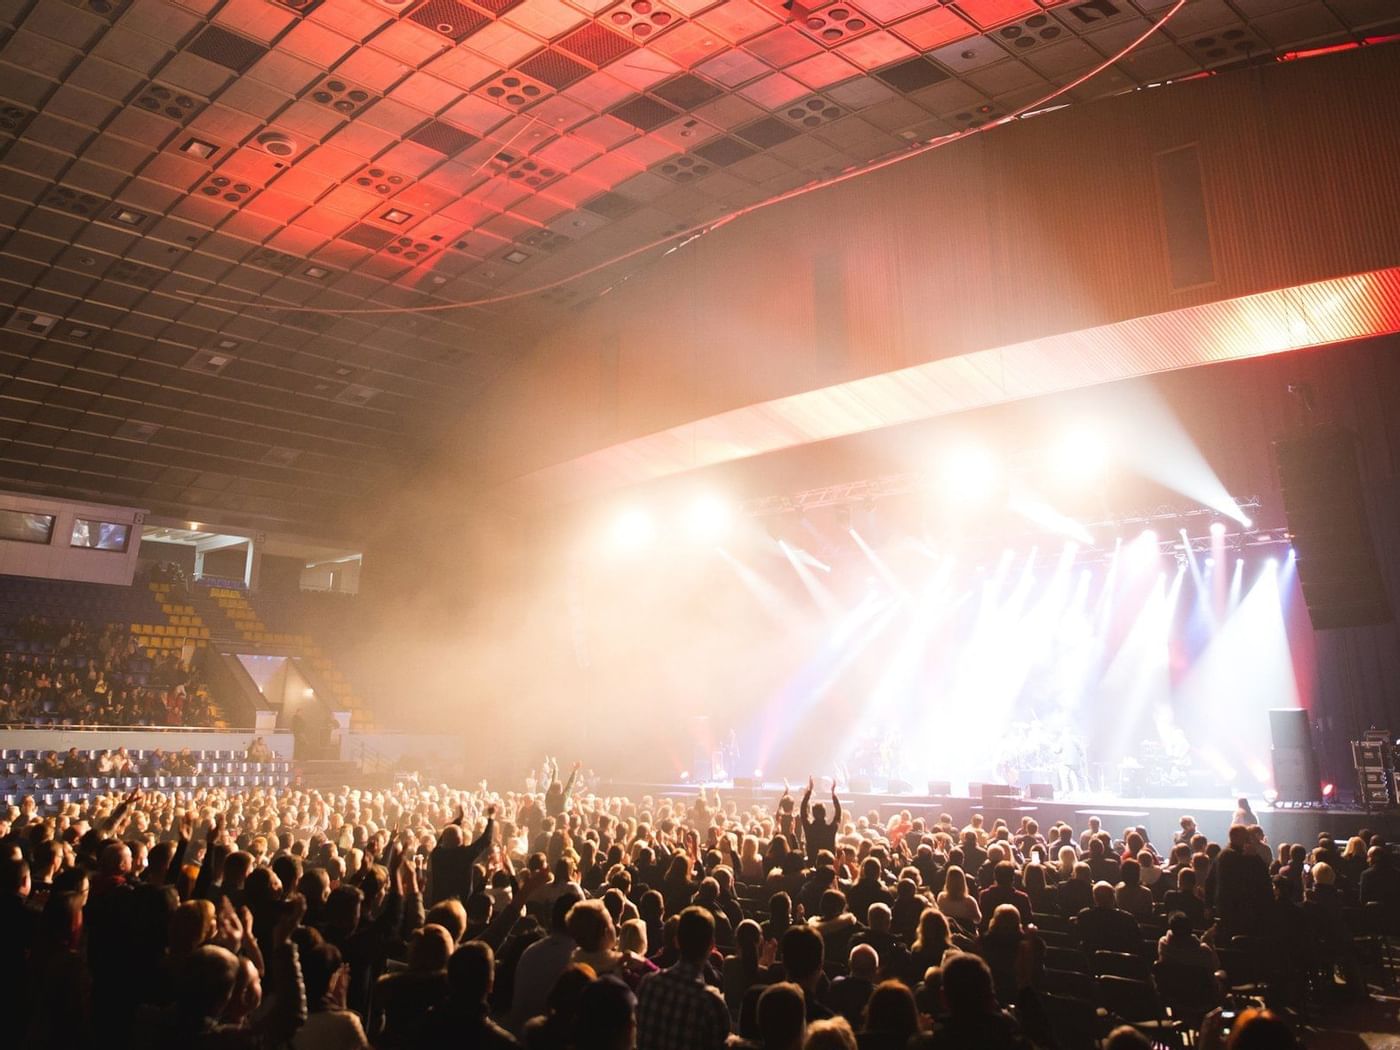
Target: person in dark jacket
{"x": 452, "y": 864}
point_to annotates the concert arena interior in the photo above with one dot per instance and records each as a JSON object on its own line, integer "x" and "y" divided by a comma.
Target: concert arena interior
{"x": 685, "y": 524}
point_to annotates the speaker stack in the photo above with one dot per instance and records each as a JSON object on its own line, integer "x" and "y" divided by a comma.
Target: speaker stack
{"x": 1295, "y": 763}
{"x": 1322, "y": 499}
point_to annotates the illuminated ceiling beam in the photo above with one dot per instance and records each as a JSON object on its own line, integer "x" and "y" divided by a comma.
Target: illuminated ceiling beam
{"x": 1308, "y": 315}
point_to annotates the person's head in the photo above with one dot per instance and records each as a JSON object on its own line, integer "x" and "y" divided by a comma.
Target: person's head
{"x": 1006, "y": 921}
{"x": 1103, "y": 895}
{"x": 1262, "y": 1030}
{"x": 1179, "y": 925}
{"x": 14, "y": 877}
{"x": 864, "y": 962}
{"x": 966, "y": 984}
{"x": 832, "y": 904}
{"x": 1186, "y": 880}
{"x": 606, "y": 1018}
{"x": 802, "y": 954}
{"x": 1126, "y": 1037}
{"x": 878, "y": 917}
{"x": 559, "y": 913}
{"x": 191, "y": 924}
{"x": 1239, "y": 836}
{"x": 632, "y": 937}
{"x": 450, "y": 915}
{"x": 591, "y": 927}
{"x": 61, "y": 922}
{"x": 1323, "y": 875}
{"x": 955, "y": 883}
{"x": 833, "y": 1034}
{"x": 933, "y": 930}
{"x": 891, "y": 1010}
{"x": 1130, "y": 872}
{"x": 695, "y": 934}
{"x": 207, "y": 980}
{"x": 470, "y": 973}
{"x": 782, "y": 1016}
{"x": 429, "y": 948}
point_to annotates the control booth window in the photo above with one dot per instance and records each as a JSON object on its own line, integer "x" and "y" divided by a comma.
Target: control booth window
{"x": 22, "y": 526}
{"x": 100, "y": 535}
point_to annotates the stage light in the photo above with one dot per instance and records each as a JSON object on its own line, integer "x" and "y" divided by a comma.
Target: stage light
{"x": 970, "y": 474}
{"x": 1270, "y": 796}
{"x": 1080, "y": 455}
{"x": 758, "y": 774}
{"x": 632, "y": 529}
{"x": 1217, "y": 529}
{"x": 1328, "y": 789}
{"x": 685, "y": 774}
{"x": 1148, "y": 537}
{"x": 709, "y": 519}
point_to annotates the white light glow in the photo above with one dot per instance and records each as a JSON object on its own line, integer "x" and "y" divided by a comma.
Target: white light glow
{"x": 709, "y": 519}
{"x": 1080, "y": 455}
{"x": 633, "y": 529}
{"x": 970, "y": 474}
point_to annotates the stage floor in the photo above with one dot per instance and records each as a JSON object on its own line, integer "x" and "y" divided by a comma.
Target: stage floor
{"x": 1161, "y": 816}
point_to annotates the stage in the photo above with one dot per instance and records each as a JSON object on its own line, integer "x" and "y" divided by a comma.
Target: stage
{"x": 1160, "y": 816}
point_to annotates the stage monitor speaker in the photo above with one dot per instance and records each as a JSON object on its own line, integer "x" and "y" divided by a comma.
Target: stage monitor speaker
{"x": 940, "y": 788}
{"x": 859, "y": 785}
{"x": 1041, "y": 792}
{"x": 747, "y": 782}
{"x": 1323, "y": 502}
{"x": 999, "y": 791}
{"x": 900, "y": 787}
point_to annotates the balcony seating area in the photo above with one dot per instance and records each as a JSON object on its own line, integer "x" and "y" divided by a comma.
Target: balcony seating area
{"x": 20, "y": 775}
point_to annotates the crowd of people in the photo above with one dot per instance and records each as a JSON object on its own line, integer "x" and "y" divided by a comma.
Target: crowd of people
{"x": 424, "y": 916}
{"x": 76, "y": 675}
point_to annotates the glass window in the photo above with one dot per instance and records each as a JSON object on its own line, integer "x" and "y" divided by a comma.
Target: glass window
{"x": 21, "y": 526}
{"x": 100, "y": 535}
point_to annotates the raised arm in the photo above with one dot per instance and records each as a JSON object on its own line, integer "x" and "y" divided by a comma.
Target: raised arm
{"x": 573, "y": 775}
{"x": 835, "y": 805}
{"x": 484, "y": 839}
{"x": 805, "y": 809}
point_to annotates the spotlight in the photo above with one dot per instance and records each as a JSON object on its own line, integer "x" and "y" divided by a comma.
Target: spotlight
{"x": 1270, "y": 796}
{"x": 970, "y": 473}
{"x": 1217, "y": 529}
{"x": 632, "y": 529}
{"x": 685, "y": 774}
{"x": 709, "y": 519}
{"x": 758, "y": 774}
{"x": 1148, "y": 537}
{"x": 1328, "y": 790}
{"x": 1080, "y": 454}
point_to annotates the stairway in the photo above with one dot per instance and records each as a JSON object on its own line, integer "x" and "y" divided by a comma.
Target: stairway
{"x": 329, "y": 774}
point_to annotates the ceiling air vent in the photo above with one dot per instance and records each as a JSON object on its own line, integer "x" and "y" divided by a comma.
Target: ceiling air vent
{"x": 355, "y": 394}
{"x": 281, "y": 457}
{"x": 208, "y": 362}
{"x": 342, "y": 96}
{"x": 168, "y": 102}
{"x": 76, "y": 202}
{"x": 135, "y": 430}
{"x": 13, "y": 118}
{"x": 642, "y": 18}
{"x": 31, "y": 322}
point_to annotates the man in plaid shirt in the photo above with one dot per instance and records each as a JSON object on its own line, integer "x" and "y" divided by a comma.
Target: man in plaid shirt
{"x": 676, "y": 1009}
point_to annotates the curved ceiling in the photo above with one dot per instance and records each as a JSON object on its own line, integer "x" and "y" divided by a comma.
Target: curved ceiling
{"x": 157, "y": 157}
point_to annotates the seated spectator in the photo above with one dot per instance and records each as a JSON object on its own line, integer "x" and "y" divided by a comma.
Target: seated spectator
{"x": 933, "y": 942}
{"x": 782, "y": 1017}
{"x": 1078, "y": 893}
{"x": 891, "y": 1018}
{"x": 1180, "y": 945}
{"x": 1186, "y": 899}
{"x": 956, "y": 903}
{"x": 802, "y": 958}
{"x": 849, "y": 994}
{"x": 329, "y": 1024}
{"x": 1131, "y": 895}
{"x": 1003, "y": 891}
{"x": 835, "y": 924}
{"x": 1105, "y": 927}
{"x": 1380, "y": 882}
{"x": 974, "y": 1020}
{"x": 1002, "y": 945}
